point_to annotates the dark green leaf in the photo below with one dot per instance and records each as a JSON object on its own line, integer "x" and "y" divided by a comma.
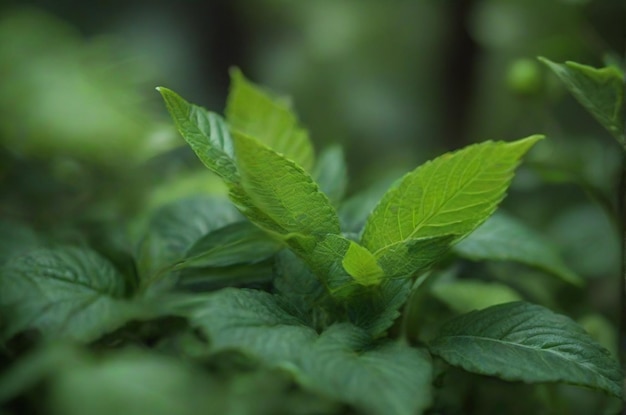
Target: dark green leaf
{"x": 387, "y": 378}
{"x": 256, "y": 113}
{"x": 64, "y": 292}
{"x": 504, "y": 238}
{"x": 526, "y": 342}
{"x": 205, "y": 132}
{"x": 600, "y": 91}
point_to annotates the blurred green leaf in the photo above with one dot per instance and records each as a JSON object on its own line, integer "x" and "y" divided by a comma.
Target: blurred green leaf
{"x": 525, "y": 342}
{"x": 600, "y": 91}
{"x": 331, "y": 173}
{"x": 504, "y": 238}
{"x": 464, "y": 296}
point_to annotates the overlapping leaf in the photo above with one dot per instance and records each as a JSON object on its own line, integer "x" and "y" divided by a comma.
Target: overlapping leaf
{"x": 503, "y": 238}
{"x": 256, "y": 113}
{"x": 600, "y": 91}
{"x": 526, "y": 342}
{"x": 331, "y": 173}
{"x": 63, "y": 292}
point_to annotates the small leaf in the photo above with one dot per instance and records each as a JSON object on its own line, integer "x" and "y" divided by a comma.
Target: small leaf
{"x": 176, "y": 227}
{"x": 282, "y": 191}
{"x": 504, "y": 238}
{"x": 331, "y": 173}
{"x": 448, "y": 198}
{"x": 205, "y": 132}
{"x": 526, "y": 342}
{"x": 253, "y": 112}
{"x": 600, "y": 91}
{"x": 361, "y": 265}
{"x": 464, "y": 296}
{"x": 386, "y": 378}
{"x": 235, "y": 243}
{"x": 63, "y": 292}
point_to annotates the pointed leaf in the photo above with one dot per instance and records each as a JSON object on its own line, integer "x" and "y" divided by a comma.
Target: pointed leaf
{"x": 503, "y": 238}
{"x": 526, "y": 342}
{"x": 361, "y": 265}
{"x": 600, "y": 91}
{"x": 63, "y": 292}
{"x": 205, "y": 132}
{"x": 256, "y": 113}
{"x": 387, "y": 378}
{"x": 235, "y": 243}
{"x": 451, "y": 195}
{"x": 331, "y": 173}
{"x": 282, "y": 191}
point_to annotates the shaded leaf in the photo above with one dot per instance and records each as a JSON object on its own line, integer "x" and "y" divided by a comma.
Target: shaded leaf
{"x": 331, "y": 173}
{"x": 205, "y": 132}
{"x": 386, "y": 378}
{"x": 463, "y": 296}
{"x": 504, "y": 238}
{"x": 63, "y": 292}
{"x": 600, "y": 91}
{"x": 525, "y": 342}
{"x": 254, "y": 112}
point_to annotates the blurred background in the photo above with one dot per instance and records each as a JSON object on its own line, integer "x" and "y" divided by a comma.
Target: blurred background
{"x": 85, "y": 141}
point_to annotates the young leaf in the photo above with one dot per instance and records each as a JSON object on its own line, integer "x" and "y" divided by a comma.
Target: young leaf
{"x": 600, "y": 91}
{"x": 255, "y": 113}
{"x": 447, "y": 197}
{"x": 526, "y": 342}
{"x": 63, "y": 292}
{"x": 176, "y": 227}
{"x": 387, "y": 378}
{"x": 235, "y": 243}
{"x": 250, "y": 320}
{"x": 503, "y": 238}
{"x": 282, "y": 191}
{"x": 331, "y": 173}
{"x": 205, "y": 132}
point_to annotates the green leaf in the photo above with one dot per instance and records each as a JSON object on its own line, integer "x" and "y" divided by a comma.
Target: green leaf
{"x": 282, "y": 191}
{"x": 503, "y": 238}
{"x": 361, "y": 265}
{"x": 331, "y": 173}
{"x": 526, "y": 342}
{"x": 63, "y": 292}
{"x": 235, "y": 243}
{"x": 386, "y": 378}
{"x": 600, "y": 91}
{"x": 205, "y": 132}
{"x": 413, "y": 255}
{"x": 466, "y": 295}
{"x": 252, "y": 321}
{"x": 254, "y": 112}
{"x": 176, "y": 227}
{"x": 445, "y": 198}
{"x": 17, "y": 239}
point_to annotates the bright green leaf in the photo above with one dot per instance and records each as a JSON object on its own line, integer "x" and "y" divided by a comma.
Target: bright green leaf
{"x": 387, "y": 378}
{"x": 600, "y": 91}
{"x": 63, "y": 292}
{"x": 361, "y": 265}
{"x": 451, "y": 195}
{"x": 254, "y": 112}
{"x": 331, "y": 173}
{"x": 503, "y": 238}
{"x": 235, "y": 243}
{"x": 525, "y": 342}
{"x": 464, "y": 296}
{"x": 414, "y": 255}
{"x": 205, "y": 132}
{"x": 282, "y": 191}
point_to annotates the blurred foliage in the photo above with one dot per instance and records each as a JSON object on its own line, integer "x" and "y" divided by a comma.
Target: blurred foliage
{"x": 85, "y": 143}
